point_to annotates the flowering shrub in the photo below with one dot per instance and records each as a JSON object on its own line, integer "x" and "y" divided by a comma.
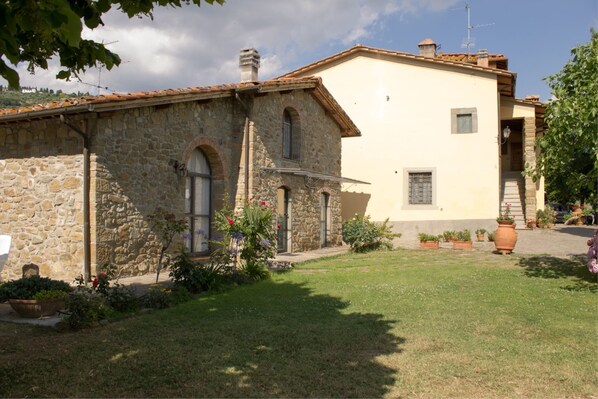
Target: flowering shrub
{"x": 249, "y": 233}
{"x": 505, "y": 215}
{"x": 363, "y": 235}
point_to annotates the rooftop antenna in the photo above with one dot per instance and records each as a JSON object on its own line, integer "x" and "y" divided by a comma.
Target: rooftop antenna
{"x": 99, "y": 87}
{"x": 469, "y": 42}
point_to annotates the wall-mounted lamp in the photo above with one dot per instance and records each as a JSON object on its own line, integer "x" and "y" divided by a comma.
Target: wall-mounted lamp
{"x": 506, "y": 132}
{"x": 179, "y": 168}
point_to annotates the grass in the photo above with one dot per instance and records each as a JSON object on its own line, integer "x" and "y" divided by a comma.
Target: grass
{"x": 406, "y": 323}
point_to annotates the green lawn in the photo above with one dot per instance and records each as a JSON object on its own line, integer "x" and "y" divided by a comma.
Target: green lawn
{"x": 396, "y": 324}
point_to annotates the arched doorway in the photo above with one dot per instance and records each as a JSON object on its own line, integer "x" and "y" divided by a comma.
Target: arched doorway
{"x": 198, "y": 195}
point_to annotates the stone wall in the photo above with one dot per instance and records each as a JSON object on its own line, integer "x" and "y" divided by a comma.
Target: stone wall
{"x": 132, "y": 175}
{"x": 41, "y": 197}
{"x": 320, "y": 152}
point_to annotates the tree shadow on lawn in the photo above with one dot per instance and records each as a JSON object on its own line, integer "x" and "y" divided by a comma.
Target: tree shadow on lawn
{"x": 271, "y": 339}
{"x": 550, "y": 267}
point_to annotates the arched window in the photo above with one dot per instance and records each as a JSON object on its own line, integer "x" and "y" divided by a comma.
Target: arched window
{"x": 291, "y": 134}
{"x": 198, "y": 190}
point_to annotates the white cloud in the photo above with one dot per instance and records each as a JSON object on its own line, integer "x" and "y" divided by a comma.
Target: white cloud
{"x": 196, "y": 46}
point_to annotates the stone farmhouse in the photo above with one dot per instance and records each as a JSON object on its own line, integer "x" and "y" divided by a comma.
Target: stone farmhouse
{"x": 444, "y": 139}
{"x": 79, "y": 178}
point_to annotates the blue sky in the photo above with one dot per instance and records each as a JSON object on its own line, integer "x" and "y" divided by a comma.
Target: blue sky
{"x": 200, "y": 46}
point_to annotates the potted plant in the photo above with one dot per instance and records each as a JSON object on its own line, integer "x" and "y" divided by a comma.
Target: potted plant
{"x": 505, "y": 236}
{"x": 449, "y": 235}
{"x": 463, "y": 240}
{"x": 35, "y": 296}
{"x": 480, "y": 234}
{"x": 490, "y": 237}
{"x": 429, "y": 241}
{"x": 530, "y": 224}
{"x": 545, "y": 218}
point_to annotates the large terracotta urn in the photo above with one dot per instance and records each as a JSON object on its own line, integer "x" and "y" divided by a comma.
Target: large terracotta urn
{"x": 505, "y": 237}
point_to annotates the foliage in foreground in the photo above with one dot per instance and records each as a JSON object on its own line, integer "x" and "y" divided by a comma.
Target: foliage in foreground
{"x": 35, "y": 31}
{"x": 568, "y": 155}
{"x": 28, "y": 287}
{"x": 363, "y": 235}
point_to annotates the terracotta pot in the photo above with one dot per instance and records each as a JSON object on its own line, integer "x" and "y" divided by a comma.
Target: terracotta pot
{"x": 480, "y": 237}
{"x": 33, "y": 308}
{"x": 429, "y": 244}
{"x": 505, "y": 238}
{"x": 466, "y": 245}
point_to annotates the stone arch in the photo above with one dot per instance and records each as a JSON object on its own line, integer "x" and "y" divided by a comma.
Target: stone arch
{"x": 213, "y": 153}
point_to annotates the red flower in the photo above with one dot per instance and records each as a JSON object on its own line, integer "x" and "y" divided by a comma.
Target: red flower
{"x": 95, "y": 282}
{"x": 262, "y": 202}
{"x": 102, "y": 275}
{"x": 278, "y": 226}
{"x": 230, "y": 221}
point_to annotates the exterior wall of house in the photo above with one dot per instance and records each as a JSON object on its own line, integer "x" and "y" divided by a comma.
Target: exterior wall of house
{"x": 320, "y": 152}
{"x": 131, "y": 175}
{"x": 41, "y": 197}
{"x": 403, "y": 109}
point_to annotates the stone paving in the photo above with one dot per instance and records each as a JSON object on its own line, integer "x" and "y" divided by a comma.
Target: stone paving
{"x": 561, "y": 241}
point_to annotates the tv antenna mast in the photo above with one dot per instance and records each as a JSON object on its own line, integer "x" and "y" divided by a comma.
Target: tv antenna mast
{"x": 469, "y": 42}
{"x": 99, "y": 87}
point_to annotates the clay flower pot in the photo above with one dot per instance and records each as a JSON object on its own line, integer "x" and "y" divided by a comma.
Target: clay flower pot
{"x": 505, "y": 237}
{"x": 429, "y": 244}
{"x": 34, "y": 308}
{"x": 464, "y": 245}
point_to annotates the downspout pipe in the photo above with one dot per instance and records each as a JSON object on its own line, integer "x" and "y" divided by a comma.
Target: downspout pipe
{"x": 86, "y": 204}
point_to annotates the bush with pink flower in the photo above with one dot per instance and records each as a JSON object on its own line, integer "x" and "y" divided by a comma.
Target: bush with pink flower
{"x": 249, "y": 233}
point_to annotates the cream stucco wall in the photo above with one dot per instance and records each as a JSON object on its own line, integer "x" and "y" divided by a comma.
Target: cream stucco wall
{"x": 403, "y": 109}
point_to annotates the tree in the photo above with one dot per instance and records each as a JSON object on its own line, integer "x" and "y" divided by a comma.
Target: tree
{"x": 568, "y": 155}
{"x": 35, "y": 31}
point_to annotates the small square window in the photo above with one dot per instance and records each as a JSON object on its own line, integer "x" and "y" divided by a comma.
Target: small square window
{"x": 464, "y": 123}
{"x": 464, "y": 120}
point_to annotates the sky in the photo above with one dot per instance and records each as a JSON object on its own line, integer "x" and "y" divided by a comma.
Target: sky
{"x": 199, "y": 46}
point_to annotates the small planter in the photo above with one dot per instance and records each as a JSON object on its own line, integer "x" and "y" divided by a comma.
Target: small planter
{"x": 463, "y": 245}
{"x": 34, "y": 308}
{"x": 480, "y": 237}
{"x": 429, "y": 244}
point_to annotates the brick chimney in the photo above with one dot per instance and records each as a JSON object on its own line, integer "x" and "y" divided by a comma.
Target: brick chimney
{"x": 483, "y": 58}
{"x": 427, "y": 48}
{"x": 249, "y": 63}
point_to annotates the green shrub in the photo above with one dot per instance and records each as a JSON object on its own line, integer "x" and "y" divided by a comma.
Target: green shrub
{"x": 480, "y": 231}
{"x": 490, "y": 237}
{"x": 363, "y": 235}
{"x": 122, "y": 299}
{"x": 255, "y": 271}
{"x": 449, "y": 235}
{"x": 195, "y": 277}
{"x": 179, "y": 295}
{"x": 26, "y": 288}
{"x": 423, "y": 237}
{"x": 84, "y": 308}
{"x": 156, "y": 298}
{"x": 50, "y": 294}
{"x": 464, "y": 235}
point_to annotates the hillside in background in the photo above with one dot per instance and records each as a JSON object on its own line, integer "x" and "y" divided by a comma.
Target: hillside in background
{"x": 31, "y": 96}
